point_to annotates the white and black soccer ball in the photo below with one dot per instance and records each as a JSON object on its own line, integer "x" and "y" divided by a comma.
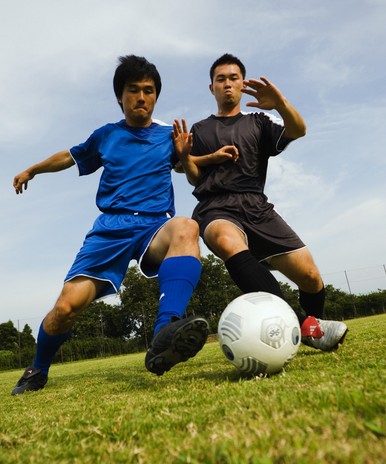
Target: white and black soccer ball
{"x": 259, "y": 333}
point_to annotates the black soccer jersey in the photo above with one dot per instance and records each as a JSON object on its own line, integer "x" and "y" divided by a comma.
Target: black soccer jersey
{"x": 257, "y": 136}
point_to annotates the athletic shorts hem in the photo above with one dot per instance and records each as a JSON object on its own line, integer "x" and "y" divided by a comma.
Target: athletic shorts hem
{"x": 110, "y": 288}
{"x": 151, "y": 271}
{"x": 268, "y": 259}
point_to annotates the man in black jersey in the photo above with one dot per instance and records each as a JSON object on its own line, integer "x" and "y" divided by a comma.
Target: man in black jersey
{"x": 227, "y": 165}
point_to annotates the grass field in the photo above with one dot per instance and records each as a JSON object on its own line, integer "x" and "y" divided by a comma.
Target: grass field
{"x": 325, "y": 408}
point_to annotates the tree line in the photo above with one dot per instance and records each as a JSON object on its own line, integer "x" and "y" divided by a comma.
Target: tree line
{"x": 127, "y": 327}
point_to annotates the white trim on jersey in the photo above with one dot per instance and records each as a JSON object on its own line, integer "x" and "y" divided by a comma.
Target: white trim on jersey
{"x": 161, "y": 123}
{"x": 271, "y": 116}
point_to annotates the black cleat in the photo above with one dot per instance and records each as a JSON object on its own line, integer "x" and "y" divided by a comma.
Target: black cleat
{"x": 176, "y": 342}
{"x": 31, "y": 380}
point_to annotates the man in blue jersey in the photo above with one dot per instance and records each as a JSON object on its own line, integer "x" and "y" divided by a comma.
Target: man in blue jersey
{"x": 135, "y": 197}
{"x": 228, "y": 167}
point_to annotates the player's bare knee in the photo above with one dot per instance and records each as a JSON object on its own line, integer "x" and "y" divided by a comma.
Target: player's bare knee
{"x": 65, "y": 313}
{"x": 225, "y": 246}
{"x": 312, "y": 281}
{"x": 186, "y": 230}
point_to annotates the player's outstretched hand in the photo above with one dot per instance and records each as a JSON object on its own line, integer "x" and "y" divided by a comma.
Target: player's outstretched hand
{"x": 20, "y": 181}
{"x": 182, "y": 138}
{"x": 267, "y": 95}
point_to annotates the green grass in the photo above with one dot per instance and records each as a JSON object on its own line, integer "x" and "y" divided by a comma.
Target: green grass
{"x": 325, "y": 408}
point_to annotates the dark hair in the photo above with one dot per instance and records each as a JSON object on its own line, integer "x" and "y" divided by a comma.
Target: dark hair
{"x": 134, "y": 68}
{"x": 227, "y": 58}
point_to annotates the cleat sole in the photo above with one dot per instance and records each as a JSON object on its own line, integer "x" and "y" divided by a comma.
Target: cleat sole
{"x": 186, "y": 342}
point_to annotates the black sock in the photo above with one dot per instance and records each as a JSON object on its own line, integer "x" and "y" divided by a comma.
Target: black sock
{"x": 313, "y": 303}
{"x": 252, "y": 276}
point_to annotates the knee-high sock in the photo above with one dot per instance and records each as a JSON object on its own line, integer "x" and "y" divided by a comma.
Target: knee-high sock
{"x": 313, "y": 303}
{"x": 178, "y": 276}
{"x": 47, "y": 347}
{"x": 252, "y": 276}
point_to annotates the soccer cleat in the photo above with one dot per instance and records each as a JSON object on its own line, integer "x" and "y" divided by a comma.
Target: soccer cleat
{"x": 176, "y": 342}
{"x": 311, "y": 328}
{"x": 334, "y": 333}
{"x": 31, "y": 380}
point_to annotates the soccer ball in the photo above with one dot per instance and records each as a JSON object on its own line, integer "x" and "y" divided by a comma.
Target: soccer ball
{"x": 259, "y": 333}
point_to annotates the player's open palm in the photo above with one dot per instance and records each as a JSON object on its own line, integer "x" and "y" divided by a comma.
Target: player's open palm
{"x": 182, "y": 138}
{"x": 267, "y": 95}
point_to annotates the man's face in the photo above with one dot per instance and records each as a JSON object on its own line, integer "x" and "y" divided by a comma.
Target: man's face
{"x": 138, "y": 101}
{"x": 227, "y": 85}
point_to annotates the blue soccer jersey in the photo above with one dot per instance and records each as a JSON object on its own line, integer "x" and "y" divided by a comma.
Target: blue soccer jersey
{"x": 136, "y": 163}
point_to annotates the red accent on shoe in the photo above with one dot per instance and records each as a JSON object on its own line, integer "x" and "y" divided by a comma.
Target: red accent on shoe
{"x": 311, "y": 328}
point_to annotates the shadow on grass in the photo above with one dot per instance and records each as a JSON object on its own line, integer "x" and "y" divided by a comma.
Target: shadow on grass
{"x": 312, "y": 353}
{"x": 135, "y": 377}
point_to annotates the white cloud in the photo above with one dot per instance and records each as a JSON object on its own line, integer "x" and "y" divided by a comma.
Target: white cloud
{"x": 293, "y": 184}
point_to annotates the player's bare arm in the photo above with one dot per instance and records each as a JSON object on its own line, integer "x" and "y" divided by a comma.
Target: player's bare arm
{"x": 195, "y": 163}
{"x": 223, "y": 154}
{"x": 58, "y": 162}
{"x": 268, "y": 97}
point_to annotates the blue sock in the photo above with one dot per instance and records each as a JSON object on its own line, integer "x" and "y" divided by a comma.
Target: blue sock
{"x": 178, "y": 276}
{"x": 47, "y": 347}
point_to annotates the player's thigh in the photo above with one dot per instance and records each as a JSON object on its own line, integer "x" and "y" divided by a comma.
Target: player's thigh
{"x": 177, "y": 237}
{"x": 225, "y": 238}
{"x": 299, "y": 266}
{"x": 79, "y": 292}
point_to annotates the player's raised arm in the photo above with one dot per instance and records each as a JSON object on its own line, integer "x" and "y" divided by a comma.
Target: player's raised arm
{"x": 58, "y": 162}
{"x": 269, "y": 97}
{"x": 183, "y": 142}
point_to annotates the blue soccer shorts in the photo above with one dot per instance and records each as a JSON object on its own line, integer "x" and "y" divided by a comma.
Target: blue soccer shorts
{"x": 111, "y": 244}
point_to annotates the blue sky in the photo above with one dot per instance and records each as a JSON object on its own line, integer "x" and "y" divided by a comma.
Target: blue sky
{"x": 58, "y": 59}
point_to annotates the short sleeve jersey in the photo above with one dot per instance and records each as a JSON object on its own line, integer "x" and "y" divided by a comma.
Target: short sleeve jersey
{"x": 136, "y": 163}
{"x": 257, "y": 137}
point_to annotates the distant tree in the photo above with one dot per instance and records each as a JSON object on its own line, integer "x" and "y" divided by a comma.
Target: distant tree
{"x": 339, "y": 304}
{"x": 214, "y": 291}
{"x": 372, "y": 303}
{"x": 115, "y": 322}
{"x": 7, "y": 360}
{"x": 291, "y": 295}
{"x": 89, "y": 324}
{"x": 139, "y": 303}
{"x": 9, "y": 337}
{"x": 27, "y": 340}
{"x": 26, "y": 352}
